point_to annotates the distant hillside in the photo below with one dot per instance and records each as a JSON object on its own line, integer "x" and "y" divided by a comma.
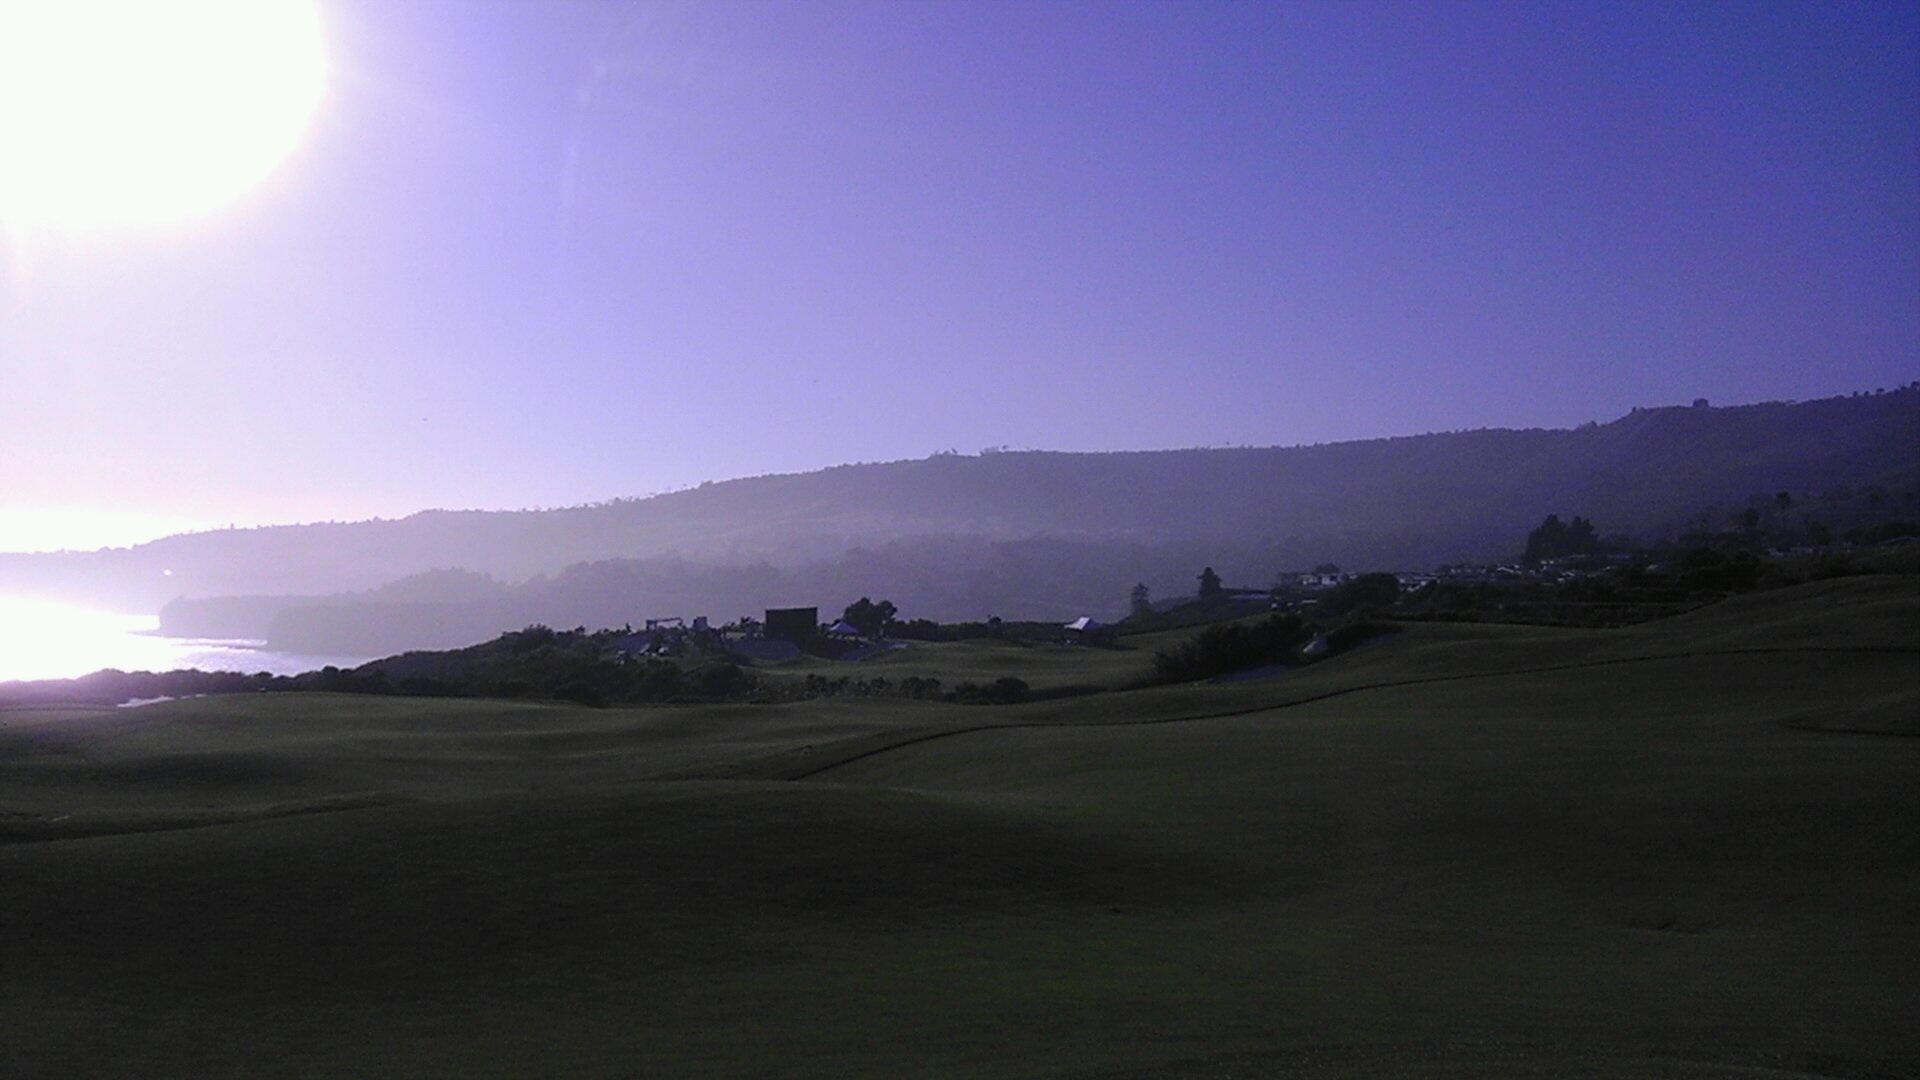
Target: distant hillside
{"x": 1155, "y": 515}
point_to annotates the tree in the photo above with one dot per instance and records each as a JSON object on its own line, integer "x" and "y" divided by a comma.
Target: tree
{"x": 1209, "y": 584}
{"x": 1555, "y": 538}
{"x": 868, "y": 617}
{"x": 1373, "y": 592}
{"x": 1140, "y": 603}
{"x": 1582, "y": 538}
{"x": 1544, "y": 541}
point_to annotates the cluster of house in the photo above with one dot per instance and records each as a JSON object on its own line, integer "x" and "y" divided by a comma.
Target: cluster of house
{"x": 781, "y": 633}
{"x": 672, "y": 636}
{"x": 779, "y": 636}
{"x": 1546, "y": 571}
{"x": 1309, "y": 580}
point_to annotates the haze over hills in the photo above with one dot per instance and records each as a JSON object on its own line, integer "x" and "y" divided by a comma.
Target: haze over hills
{"x": 1019, "y": 534}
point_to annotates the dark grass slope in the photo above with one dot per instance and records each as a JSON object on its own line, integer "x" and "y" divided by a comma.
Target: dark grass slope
{"x": 1466, "y": 851}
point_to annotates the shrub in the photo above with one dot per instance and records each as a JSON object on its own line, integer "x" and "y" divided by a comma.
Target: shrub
{"x": 1368, "y": 592}
{"x": 1003, "y": 691}
{"x": 722, "y": 680}
{"x": 1007, "y": 691}
{"x": 916, "y": 686}
{"x": 1230, "y": 647}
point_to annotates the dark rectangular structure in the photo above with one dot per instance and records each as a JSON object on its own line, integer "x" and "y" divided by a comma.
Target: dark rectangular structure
{"x": 795, "y": 624}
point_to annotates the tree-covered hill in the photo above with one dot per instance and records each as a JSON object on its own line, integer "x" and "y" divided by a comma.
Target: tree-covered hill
{"x": 1399, "y": 502}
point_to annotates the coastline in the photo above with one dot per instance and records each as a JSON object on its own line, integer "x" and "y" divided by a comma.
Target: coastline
{"x": 43, "y": 641}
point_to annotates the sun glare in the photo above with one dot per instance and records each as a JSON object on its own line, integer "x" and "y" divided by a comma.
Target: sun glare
{"x": 42, "y": 639}
{"x": 142, "y": 112}
{"x": 24, "y": 529}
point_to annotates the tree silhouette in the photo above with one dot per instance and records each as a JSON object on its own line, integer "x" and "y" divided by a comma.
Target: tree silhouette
{"x": 868, "y": 617}
{"x": 1555, "y": 538}
{"x": 1139, "y": 602}
{"x": 1209, "y": 583}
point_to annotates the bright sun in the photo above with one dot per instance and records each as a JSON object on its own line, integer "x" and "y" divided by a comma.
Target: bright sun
{"x": 141, "y": 112}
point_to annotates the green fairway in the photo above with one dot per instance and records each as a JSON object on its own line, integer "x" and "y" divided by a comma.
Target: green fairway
{"x": 1689, "y": 849}
{"x": 1047, "y": 668}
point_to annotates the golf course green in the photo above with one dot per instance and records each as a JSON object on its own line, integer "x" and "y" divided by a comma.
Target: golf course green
{"x": 1686, "y": 849}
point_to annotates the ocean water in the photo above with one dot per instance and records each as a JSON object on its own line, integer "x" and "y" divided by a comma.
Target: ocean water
{"x": 41, "y": 639}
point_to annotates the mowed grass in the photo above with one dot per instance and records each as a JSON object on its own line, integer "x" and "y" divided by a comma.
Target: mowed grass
{"x": 1690, "y": 849}
{"x": 1048, "y": 668}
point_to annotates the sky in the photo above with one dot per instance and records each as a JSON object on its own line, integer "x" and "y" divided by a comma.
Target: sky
{"x": 539, "y": 254}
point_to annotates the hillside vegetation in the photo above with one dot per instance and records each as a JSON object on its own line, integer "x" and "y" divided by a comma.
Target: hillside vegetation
{"x": 1686, "y": 849}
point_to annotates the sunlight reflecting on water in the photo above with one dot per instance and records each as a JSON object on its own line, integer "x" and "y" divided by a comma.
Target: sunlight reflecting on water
{"x": 41, "y": 639}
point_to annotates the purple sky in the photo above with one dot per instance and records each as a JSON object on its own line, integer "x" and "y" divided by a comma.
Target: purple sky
{"x": 535, "y": 254}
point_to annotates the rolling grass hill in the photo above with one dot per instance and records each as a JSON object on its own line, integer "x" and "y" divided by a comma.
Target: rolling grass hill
{"x": 1689, "y": 849}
